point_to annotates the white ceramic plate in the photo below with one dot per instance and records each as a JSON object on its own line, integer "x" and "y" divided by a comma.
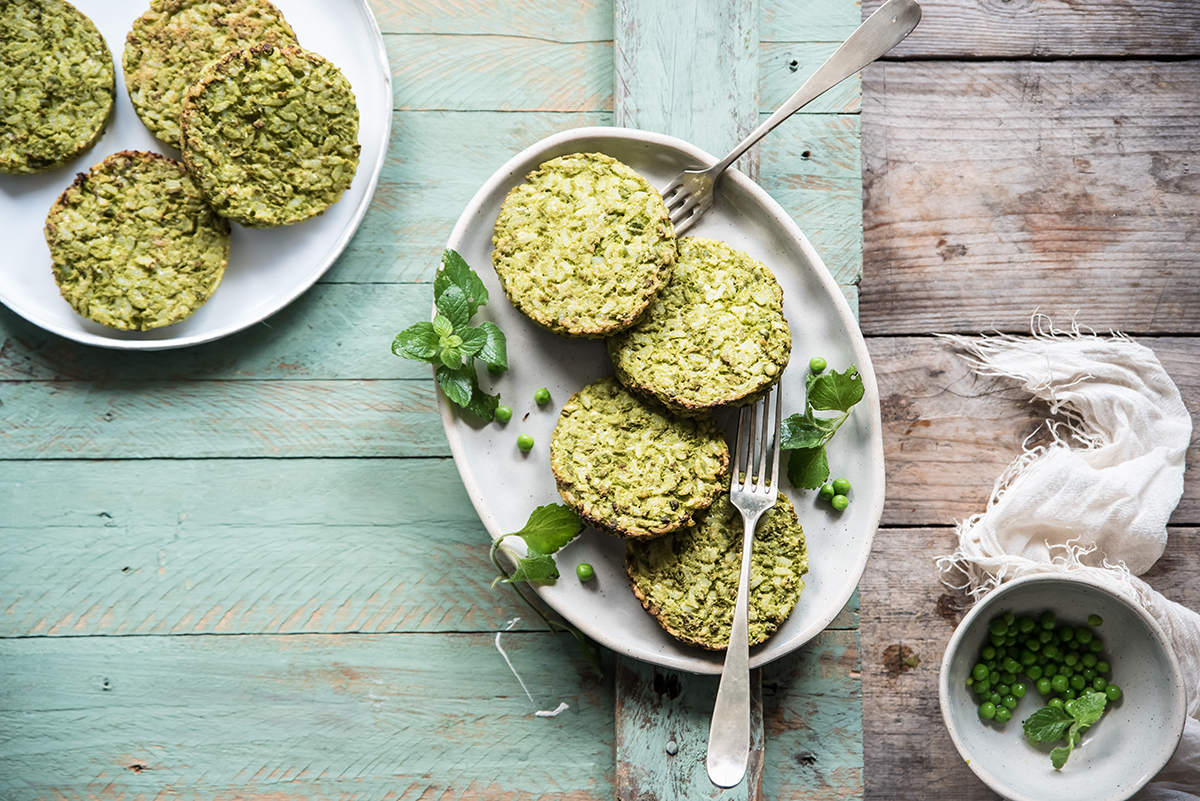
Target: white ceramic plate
{"x": 267, "y": 269}
{"x": 506, "y": 485}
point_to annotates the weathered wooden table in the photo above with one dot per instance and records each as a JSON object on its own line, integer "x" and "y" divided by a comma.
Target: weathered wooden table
{"x": 249, "y": 570}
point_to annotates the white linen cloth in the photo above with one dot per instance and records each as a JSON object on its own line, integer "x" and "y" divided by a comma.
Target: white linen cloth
{"x": 1096, "y": 498}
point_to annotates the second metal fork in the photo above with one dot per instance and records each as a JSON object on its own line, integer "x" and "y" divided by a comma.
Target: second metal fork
{"x": 752, "y": 493}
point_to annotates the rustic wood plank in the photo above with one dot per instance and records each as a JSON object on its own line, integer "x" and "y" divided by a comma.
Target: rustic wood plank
{"x": 555, "y": 22}
{"x": 808, "y": 20}
{"x": 949, "y": 433}
{"x": 908, "y": 612}
{"x": 212, "y": 419}
{"x": 299, "y": 546}
{"x": 689, "y": 71}
{"x": 786, "y": 65}
{"x": 994, "y": 189}
{"x": 398, "y": 716}
{"x": 967, "y": 29}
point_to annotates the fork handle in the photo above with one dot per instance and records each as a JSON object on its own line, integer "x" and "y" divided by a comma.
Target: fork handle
{"x": 729, "y": 732}
{"x": 881, "y": 31}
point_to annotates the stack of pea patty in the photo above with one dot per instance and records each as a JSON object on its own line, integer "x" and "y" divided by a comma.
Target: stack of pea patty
{"x": 268, "y": 133}
{"x": 585, "y": 247}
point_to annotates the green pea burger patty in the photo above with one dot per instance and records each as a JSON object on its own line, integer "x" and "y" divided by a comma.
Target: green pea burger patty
{"x": 715, "y": 336}
{"x": 583, "y": 245}
{"x": 632, "y": 468}
{"x": 688, "y": 580}
{"x": 57, "y": 85}
{"x": 270, "y": 135}
{"x": 173, "y": 41}
{"x": 133, "y": 243}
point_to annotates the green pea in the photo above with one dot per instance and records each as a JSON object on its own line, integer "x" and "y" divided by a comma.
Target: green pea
{"x": 817, "y": 364}
{"x": 1096, "y": 645}
{"x": 979, "y": 672}
{"x": 1103, "y": 667}
{"x": 1070, "y": 694}
{"x": 1018, "y": 689}
{"x": 1090, "y": 660}
{"x": 1026, "y": 625}
{"x": 1078, "y": 682}
{"x": 1059, "y": 684}
{"x": 503, "y": 414}
{"x": 841, "y": 486}
{"x": 584, "y": 571}
{"x": 1028, "y": 658}
{"x": 1071, "y": 659}
{"x": 1010, "y": 701}
{"x": 987, "y": 710}
{"x": 1057, "y": 703}
{"x": 839, "y": 502}
{"x": 1002, "y": 689}
{"x": 1084, "y": 635}
{"x": 1045, "y": 636}
{"x": 1095, "y": 620}
{"x": 1113, "y": 692}
{"x": 1003, "y": 714}
{"x": 541, "y": 396}
{"x": 1066, "y": 633}
{"x": 496, "y": 369}
{"x": 1090, "y": 674}
{"x": 1043, "y": 686}
{"x": 1011, "y": 665}
{"x": 826, "y": 492}
{"x": 1034, "y": 672}
{"x": 988, "y": 652}
{"x": 998, "y": 626}
{"x": 1099, "y": 684}
{"x": 525, "y": 443}
{"x": 1048, "y": 620}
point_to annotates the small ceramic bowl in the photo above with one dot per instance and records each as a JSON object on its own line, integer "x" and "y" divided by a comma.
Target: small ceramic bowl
{"x": 1119, "y": 754}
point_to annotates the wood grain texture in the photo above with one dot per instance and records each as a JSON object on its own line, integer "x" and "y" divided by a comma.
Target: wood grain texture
{"x": 689, "y": 71}
{"x": 994, "y": 189}
{"x": 968, "y": 29}
{"x": 399, "y": 716}
{"x": 908, "y": 612}
{"x": 949, "y": 433}
{"x": 585, "y": 21}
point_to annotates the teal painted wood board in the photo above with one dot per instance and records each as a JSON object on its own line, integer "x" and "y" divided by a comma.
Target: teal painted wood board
{"x": 248, "y": 569}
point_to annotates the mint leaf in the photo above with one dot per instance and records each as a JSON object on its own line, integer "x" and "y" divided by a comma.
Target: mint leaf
{"x": 1087, "y": 708}
{"x": 550, "y": 527}
{"x": 804, "y": 431}
{"x": 442, "y": 326}
{"x": 1047, "y": 724}
{"x": 455, "y": 272}
{"x": 1058, "y": 757}
{"x": 808, "y": 467}
{"x": 495, "y": 348}
{"x": 455, "y": 305}
{"x": 483, "y": 404}
{"x": 458, "y": 384}
{"x": 835, "y": 391}
{"x": 535, "y": 567}
{"x": 473, "y": 340}
{"x": 418, "y": 342}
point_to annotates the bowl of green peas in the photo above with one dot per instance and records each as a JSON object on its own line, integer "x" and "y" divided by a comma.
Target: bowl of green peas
{"x": 1056, "y": 687}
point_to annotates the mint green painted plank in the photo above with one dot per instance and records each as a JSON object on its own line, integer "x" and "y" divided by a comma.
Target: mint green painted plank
{"x": 332, "y": 331}
{"x": 809, "y": 20}
{"x": 211, "y": 419}
{"x": 304, "y": 716}
{"x": 786, "y": 65}
{"x": 583, "y": 21}
{"x": 324, "y": 545}
{"x": 689, "y": 70}
{"x": 812, "y": 709}
{"x": 505, "y": 73}
{"x": 437, "y": 160}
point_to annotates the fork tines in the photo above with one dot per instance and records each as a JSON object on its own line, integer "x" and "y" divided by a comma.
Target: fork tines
{"x": 750, "y": 448}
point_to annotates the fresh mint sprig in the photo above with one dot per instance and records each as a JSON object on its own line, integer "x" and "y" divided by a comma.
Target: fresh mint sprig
{"x": 451, "y": 343}
{"x": 548, "y": 529}
{"x": 1051, "y": 723}
{"x": 806, "y": 435}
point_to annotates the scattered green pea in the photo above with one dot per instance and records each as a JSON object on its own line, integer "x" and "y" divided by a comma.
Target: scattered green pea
{"x": 1095, "y": 620}
{"x": 584, "y": 571}
{"x": 826, "y": 492}
{"x": 1003, "y": 714}
{"x": 1113, "y": 692}
{"x": 817, "y": 364}
{"x": 841, "y": 486}
{"x": 839, "y": 502}
{"x": 987, "y": 710}
{"x": 503, "y": 414}
{"x": 541, "y": 396}
{"x": 525, "y": 443}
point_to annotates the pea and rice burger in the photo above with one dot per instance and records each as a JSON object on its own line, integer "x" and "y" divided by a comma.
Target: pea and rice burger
{"x": 688, "y": 580}
{"x": 631, "y": 468}
{"x": 715, "y": 336}
{"x": 134, "y": 245}
{"x": 270, "y": 134}
{"x": 172, "y": 42}
{"x": 583, "y": 245}
{"x": 57, "y": 85}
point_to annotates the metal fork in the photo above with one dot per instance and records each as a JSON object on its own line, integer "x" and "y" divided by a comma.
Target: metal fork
{"x": 691, "y": 193}
{"x": 753, "y": 494}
